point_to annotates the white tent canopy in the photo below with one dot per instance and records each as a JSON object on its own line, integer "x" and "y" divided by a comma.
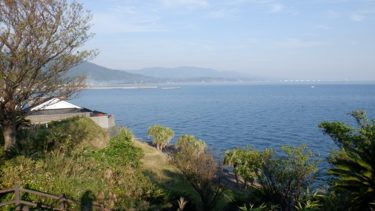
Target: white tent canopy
{"x": 54, "y": 103}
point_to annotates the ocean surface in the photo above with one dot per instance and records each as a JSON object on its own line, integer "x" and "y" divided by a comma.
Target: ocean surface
{"x": 229, "y": 116}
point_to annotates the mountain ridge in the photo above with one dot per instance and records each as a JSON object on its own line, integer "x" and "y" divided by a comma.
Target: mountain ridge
{"x": 188, "y": 72}
{"x": 97, "y": 74}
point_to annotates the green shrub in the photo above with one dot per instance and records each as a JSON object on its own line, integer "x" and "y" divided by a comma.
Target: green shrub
{"x": 284, "y": 179}
{"x": 199, "y": 168}
{"x": 246, "y": 163}
{"x": 111, "y": 174}
{"x": 61, "y": 136}
{"x": 280, "y": 180}
{"x": 353, "y": 165}
{"x": 120, "y": 151}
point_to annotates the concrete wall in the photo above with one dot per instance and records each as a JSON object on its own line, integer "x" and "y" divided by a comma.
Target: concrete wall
{"x": 104, "y": 121}
{"x": 43, "y": 119}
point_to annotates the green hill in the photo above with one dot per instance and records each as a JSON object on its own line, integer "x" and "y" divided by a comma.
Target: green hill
{"x": 101, "y": 75}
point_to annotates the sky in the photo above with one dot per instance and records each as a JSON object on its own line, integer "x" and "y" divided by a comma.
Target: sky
{"x": 290, "y": 39}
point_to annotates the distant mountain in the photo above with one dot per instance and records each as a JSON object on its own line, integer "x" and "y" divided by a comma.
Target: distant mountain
{"x": 98, "y": 74}
{"x": 188, "y": 73}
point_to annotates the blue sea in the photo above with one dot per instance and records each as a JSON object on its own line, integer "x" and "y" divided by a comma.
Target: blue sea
{"x": 229, "y": 116}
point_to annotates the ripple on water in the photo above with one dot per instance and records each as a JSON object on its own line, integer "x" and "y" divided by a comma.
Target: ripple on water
{"x": 237, "y": 115}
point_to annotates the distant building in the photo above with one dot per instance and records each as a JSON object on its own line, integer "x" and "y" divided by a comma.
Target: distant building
{"x": 56, "y": 109}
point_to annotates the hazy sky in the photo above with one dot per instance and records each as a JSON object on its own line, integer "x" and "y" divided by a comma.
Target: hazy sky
{"x": 291, "y": 39}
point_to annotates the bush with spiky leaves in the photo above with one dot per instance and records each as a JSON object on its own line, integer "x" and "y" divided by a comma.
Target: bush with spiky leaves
{"x": 160, "y": 135}
{"x": 353, "y": 165}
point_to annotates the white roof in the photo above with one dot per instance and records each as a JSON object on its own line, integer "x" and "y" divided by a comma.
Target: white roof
{"x": 54, "y": 103}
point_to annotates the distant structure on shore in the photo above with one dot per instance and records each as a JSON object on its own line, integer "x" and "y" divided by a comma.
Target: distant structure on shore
{"x": 56, "y": 109}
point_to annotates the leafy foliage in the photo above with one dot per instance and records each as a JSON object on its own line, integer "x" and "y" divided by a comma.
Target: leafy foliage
{"x": 40, "y": 41}
{"x": 199, "y": 168}
{"x": 120, "y": 151}
{"x": 310, "y": 201}
{"x": 353, "y": 166}
{"x": 161, "y": 135}
{"x": 246, "y": 163}
{"x": 277, "y": 180}
{"x": 284, "y": 179}
{"x": 188, "y": 144}
{"x": 111, "y": 174}
{"x": 251, "y": 207}
{"x": 62, "y": 136}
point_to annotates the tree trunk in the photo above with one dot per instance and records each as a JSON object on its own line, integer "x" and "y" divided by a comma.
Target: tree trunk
{"x": 9, "y": 134}
{"x": 237, "y": 181}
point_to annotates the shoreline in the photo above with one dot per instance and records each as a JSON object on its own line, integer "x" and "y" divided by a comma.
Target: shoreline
{"x": 167, "y": 86}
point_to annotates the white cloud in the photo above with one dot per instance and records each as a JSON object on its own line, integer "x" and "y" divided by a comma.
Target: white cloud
{"x": 298, "y": 43}
{"x": 267, "y": 6}
{"x": 240, "y": 2}
{"x": 357, "y": 17}
{"x": 222, "y": 13}
{"x": 332, "y": 14}
{"x": 124, "y": 20}
{"x": 361, "y": 15}
{"x": 273, "y": 5}
{"x": 354, "y": 15}
{"x": 185, "y": 3}
{"x": 323, "y": 27}
{"x": 276, "y": 7}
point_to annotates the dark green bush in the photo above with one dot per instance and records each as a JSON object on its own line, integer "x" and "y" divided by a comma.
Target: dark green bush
{"x": 353, "y": 165}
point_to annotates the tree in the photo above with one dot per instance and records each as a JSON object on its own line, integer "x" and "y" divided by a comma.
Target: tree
{"x": 281, "y": 179}
{"x": 40, "y": 41}
{"x": 246, "y": 163}
{"x": 353, "y": 165}
{"x": 160, "y": 135}
{"x": 199, "y": 169}
{"x": 284, "y": 179}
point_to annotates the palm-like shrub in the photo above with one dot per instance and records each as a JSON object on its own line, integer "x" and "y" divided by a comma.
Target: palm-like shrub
{"x": 233, "y": 159}
{"x": 190, "y": 145}
{"x": 353, "y": 166}
{"x": 160, "y": 135}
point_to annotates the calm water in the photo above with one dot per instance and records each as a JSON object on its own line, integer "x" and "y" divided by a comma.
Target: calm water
{"x": 231, "y": 116}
